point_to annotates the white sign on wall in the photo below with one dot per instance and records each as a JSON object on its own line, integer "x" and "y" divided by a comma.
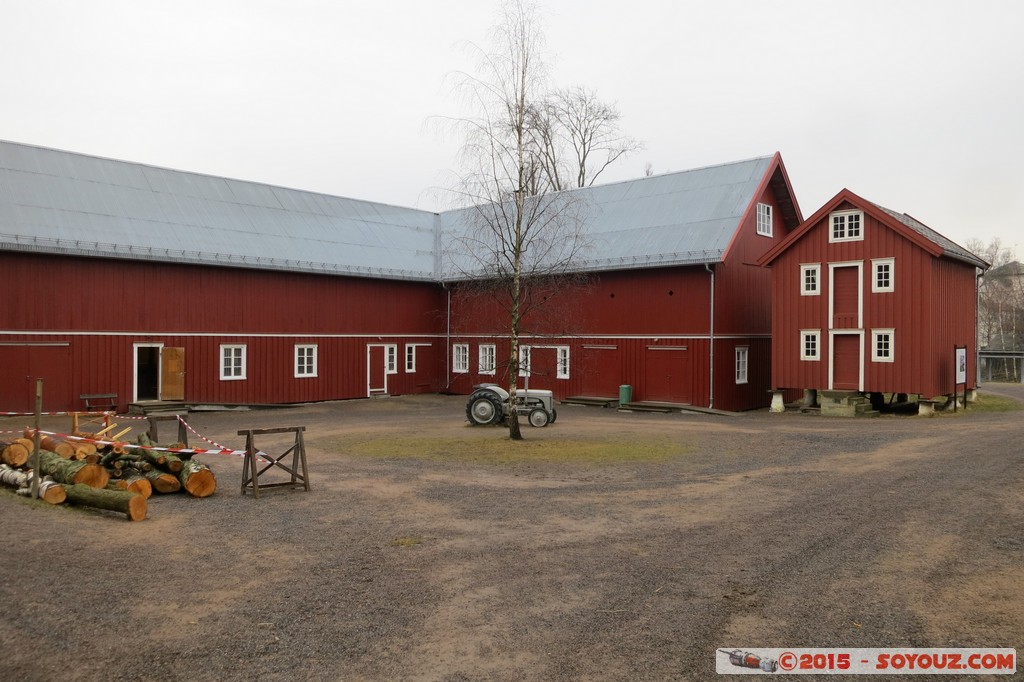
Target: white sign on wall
{"x": 961, "y": 365}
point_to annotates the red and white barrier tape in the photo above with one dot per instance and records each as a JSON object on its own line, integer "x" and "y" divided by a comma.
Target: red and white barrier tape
{"x": 153, "y": 448}
{"x": 201, "y": 436}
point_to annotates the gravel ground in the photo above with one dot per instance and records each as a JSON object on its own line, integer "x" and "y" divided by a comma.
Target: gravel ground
{"x": 757, "y": 531}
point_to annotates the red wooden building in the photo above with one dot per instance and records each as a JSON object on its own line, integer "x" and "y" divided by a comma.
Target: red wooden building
{"x": 157, "y": 284}
{"x": 865, "y": 299}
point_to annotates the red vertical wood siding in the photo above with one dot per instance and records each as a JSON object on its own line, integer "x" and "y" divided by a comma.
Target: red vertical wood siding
{"x": 199, "y": 308}
{"x": 932, "y": 304}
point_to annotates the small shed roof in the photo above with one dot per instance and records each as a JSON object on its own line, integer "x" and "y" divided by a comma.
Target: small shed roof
{"x": 908, "y": 226}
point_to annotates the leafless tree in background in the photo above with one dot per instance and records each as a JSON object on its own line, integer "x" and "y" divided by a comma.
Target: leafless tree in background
{"x": 1000, "y": 303}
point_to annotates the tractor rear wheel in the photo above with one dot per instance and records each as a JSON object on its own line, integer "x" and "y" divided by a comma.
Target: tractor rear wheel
{"x": 484, "y": 408}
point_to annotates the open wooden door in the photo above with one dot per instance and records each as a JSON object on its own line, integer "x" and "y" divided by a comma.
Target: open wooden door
{"x": 172, "y": 378}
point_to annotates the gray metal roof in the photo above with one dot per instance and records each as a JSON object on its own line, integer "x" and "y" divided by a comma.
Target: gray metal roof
{"x": 55, "y": 201}
{"x": 59, "y": 202}
{"x": 678, "y": 218}
{"x": 951, "y": 248}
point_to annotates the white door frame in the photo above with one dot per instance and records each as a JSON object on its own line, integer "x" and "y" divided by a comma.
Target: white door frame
{"x": 832, "y": 334}
{"x": 370, "y": 390}
{"x": 859, "y": 264}
{"x": 135, "y": 369}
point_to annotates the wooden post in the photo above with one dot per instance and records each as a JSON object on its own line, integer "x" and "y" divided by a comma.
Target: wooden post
{"x": 36, "y": 438}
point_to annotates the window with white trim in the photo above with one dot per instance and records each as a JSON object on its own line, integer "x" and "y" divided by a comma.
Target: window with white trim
{"x": 305, "y": 360}
{"x": 486, "y": 356}
{"x": 460, "y": 358}
{"x": 391, "y": 358}
{"x": 525, "y": 354}
{"x": 883, "y": 279}
{"x": 764, "y": 220}
{"x": 562, "y": 360}
{"x": 232, "y": 362}
{"x": 410, "y": 358}
{"x": 742, "y": 359}
{"x": 882, "y": 345}
{"x": 810, "y": 279}
{"x": 810, "y": 344}
{"x": 846, "y": 226}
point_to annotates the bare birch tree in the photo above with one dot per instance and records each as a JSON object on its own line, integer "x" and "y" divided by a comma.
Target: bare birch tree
{"x": 1000, "y": 301}
{"x": 518, "y": 236}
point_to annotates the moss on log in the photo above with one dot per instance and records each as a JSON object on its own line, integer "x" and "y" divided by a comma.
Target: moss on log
{"x": 72, "y": 471}
{"x": 163, "y": 482}
{"x": 133, "y": 505}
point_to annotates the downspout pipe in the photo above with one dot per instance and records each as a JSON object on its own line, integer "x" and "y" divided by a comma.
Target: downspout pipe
{"x": 448, "y": 339}
{"x": 711, "y": 353}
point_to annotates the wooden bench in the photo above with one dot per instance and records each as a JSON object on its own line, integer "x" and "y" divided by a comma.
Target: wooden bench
{"x": 95, "y": 401}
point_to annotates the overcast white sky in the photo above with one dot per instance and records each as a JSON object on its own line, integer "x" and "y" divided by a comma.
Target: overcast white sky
{"x": 917, "y": 105}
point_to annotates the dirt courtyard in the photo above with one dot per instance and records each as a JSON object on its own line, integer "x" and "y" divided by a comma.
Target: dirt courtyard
{"x": 607, "y": 546}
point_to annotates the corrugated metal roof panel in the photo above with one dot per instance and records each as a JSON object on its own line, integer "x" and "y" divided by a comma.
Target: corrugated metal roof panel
{"x": 676, "y": 218}
{"x": 64, "y": 201}
{"x": 51, "y": 199}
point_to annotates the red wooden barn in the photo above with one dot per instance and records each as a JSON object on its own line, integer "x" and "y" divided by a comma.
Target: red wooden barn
{"x": 869, "y": 300}
{"x": 157, "y": 284}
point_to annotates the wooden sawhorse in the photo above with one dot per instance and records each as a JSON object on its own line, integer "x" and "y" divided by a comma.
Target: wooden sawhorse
{"x": 250, "y": 474}
{"x": 154, "y": 420}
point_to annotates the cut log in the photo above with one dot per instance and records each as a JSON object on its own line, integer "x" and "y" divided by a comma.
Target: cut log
{"x": 139, "y": 484}
{"x": 163, "y": 482}
{"x": 62, "y": 447}
{"x": 72, "y": 471}
{"x": 133, "y": 505}
{"x": 49, "y": 490}
{"x": 173, "y": 463}
{"x": 197, "y": 479}
{"x": 15, "y": 453}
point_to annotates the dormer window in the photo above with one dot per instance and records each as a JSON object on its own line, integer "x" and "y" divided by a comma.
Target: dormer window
{"x": 846, "y": 226}
{"x": 764, "y": 220}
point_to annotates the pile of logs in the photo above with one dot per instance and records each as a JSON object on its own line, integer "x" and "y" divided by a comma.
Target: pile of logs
{"x": 117, "y": 477}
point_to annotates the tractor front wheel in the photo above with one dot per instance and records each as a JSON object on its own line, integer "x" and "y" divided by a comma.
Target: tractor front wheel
{"x": 538, "y": 417}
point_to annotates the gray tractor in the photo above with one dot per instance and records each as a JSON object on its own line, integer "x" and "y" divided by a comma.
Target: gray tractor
{"x": 490, "y": 404}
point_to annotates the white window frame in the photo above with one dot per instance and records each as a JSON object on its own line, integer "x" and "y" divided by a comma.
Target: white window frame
{"x": 460, "y": 358}
{"x": 845, "y": 236}
{"x": 391, "y": 358}
{"x": 487, "y": 358}
{"x": 226, "y": 372}
{"x": 804, "y": 270}
{"x": 301, "y": 364}
{"x": 805, "y": 335}
{"x": 525, "y": 358}
{"x": 875, "y": 268}
{"x": 562, "y": 362}
{"x": 765, "y": 220}
{"x": 876, "y": 335}
{"x": 410, "y": 358}
{"x": 742, "y": 364}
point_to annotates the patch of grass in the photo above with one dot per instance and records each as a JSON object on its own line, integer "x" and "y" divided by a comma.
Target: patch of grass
{"x": 988, "y": 402}
{"x": 407, "y": 541}
{"x": 501, "y": 450}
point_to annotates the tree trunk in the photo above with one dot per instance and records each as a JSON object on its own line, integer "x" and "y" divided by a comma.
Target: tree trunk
{"x": 72, "y": 471}
{"x": 197, "y": 478}
{"x": 163, "y": 482}
{"x": 131, "y": 504}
